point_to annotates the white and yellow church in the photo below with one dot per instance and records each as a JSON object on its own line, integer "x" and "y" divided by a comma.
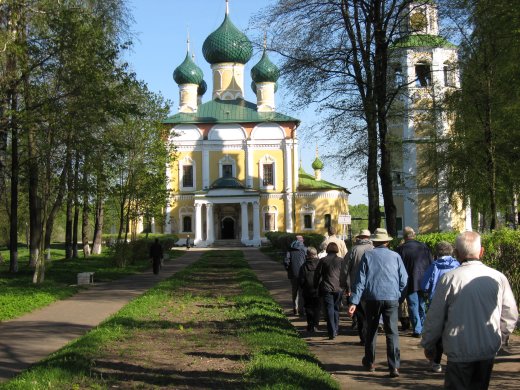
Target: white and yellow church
{"x": 236, "y": 174}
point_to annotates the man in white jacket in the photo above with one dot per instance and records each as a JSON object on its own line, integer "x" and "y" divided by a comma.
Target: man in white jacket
{"x": 473, "y": 310}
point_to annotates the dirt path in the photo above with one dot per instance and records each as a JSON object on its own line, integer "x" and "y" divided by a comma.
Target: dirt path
{"x": 342, "y": 356}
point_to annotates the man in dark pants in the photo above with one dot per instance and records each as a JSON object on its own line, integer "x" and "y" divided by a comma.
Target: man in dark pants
{"x": 473, "y": 310}
{"x": 156, "y": 254}
{"x": 380, "y": 282}
{"x": 416, "y": 257}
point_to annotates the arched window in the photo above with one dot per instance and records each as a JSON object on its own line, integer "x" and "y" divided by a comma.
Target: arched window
{"x": 270, "y": 216}
{"x": 186, "y": 224}
{"x": 398, "y": 76}
{"x": 307, "y": 213}
{"x": 423, "y": 75}
{"x": 227, "y": 167}
{"x": 186, "y": 215}
{"x": 448, "y": 73}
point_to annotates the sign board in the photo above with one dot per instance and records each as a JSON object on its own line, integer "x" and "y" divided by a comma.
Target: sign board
{"x": 344, "y": 219}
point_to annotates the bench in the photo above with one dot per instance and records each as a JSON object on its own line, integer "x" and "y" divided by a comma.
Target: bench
{"x": 85, "y": 278}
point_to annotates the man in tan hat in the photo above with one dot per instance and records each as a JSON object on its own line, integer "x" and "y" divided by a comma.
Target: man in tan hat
{"x": 380, "y": 281}
{"x": 349, "y": 273}
{"x": 332, "y": 237}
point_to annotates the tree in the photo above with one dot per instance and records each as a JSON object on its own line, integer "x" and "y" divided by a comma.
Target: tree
{"x": 485, "y": 139}
{"x": 335, "y": 55}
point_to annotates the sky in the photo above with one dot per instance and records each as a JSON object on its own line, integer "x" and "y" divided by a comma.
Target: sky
{"x": 160, "y": 33}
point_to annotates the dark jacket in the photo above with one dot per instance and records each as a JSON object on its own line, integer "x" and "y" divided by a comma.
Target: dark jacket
{"x": 306, "y": 278}
{"x": 329, "y": 270}
{"x": 416, "y": 258}
{"x": 295, "y": 259}
{"x": 156, "y": 251}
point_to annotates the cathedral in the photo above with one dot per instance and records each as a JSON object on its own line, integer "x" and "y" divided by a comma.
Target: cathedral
{"x": 236, "y": 174}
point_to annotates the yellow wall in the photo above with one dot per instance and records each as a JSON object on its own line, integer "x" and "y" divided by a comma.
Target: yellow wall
{"x": 322, "y": 206}
{"x": 279, "y": 164}
{"x": 428, "y": 208}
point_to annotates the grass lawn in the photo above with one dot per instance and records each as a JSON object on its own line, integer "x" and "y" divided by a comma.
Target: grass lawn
{"x": 212, "y": 325}
{"x": 18, "y": 295}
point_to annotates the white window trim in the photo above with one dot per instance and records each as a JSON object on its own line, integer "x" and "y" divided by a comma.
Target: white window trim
{"x": 266, "y": 160}
{"x": 187, "y": 161}
{"x": 307, "y": 210}
{"x": 227, "y": 160}
{"x": 270, "y": 210}
{"x": 186, "y": 212}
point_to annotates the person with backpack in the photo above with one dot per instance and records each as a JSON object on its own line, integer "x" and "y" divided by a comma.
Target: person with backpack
{"x": 309, "y": 291}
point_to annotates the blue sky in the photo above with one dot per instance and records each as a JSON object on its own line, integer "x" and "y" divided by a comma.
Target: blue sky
{"x": 161, "y": 28}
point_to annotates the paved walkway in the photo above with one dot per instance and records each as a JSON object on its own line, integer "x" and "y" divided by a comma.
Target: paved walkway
{"x": 342, "y": 356}
{"x": 30, "y": 338}
{"x": 34, "y": 336}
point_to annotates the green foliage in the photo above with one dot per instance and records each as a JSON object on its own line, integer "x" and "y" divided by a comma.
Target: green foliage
{"x": 501, "y": 252}
{"x": 282, "y": 240}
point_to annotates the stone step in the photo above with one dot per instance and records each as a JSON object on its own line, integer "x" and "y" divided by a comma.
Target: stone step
{"x": 227, "y": 243}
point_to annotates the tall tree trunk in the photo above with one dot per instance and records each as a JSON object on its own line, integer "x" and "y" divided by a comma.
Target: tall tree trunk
{"x": 490, "y": 159}
{"x": 75, "y": 224}
{"x": 85, "y": 218}
{"x": 98, "y": 226}
{"x": 15, "y": 168}
{"x": 69, "y": 213}
{"x": 374, "y": 214}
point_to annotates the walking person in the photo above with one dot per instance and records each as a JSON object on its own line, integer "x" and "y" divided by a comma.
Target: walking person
{"x": 326, "y": 279}
{"x": 310, "y": 292}
{"x": 444, "y": 262}
{"x": 349, "y": 273}
{"x": 293, "y": 261}
{"x": 473, "y": 310}
{"x": 156, "y": 254}
{"x": 188, "y": 243}
{"x": 380, "y": 282}
{"x": 417, "y": 258}
{"x": 332, "y": 237}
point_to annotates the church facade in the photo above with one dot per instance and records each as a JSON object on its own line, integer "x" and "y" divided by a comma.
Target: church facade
{"x": 237, "y": 173}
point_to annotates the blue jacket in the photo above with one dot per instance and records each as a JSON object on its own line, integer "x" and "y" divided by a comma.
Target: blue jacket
{"x": 381, "y": 277}
{"x": 434, "y": 272}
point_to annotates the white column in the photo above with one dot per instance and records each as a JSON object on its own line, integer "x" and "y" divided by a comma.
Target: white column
{"x": 296, "y": 162}
{"x": 249, "y": 166}
{"x": 245, "y": 223}
{"x": 289, "y": 225}
{"x": 468, "y": 224}
{"x": 198, "y": 223}
{"x": 287, "y": 165}
{"x": 152, "y": 225}
{"x": 210, "y": 233}
{"x": 167, "y": 221}
{"x": 256, "y": 223}
{"x": 205, "y": 168}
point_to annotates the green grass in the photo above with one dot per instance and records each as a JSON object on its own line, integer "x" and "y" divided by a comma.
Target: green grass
{"x": 278, "y": 357}
{"x": 18, "y": 295}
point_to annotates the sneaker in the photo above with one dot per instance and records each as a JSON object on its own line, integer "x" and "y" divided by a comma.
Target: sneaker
{"x": 416, "y": 335}
{"x": 436, "y": 367}
{"x": 394, "y": 373}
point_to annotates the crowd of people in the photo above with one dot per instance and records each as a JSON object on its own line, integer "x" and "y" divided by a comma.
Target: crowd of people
{"x": 456, "y": 305}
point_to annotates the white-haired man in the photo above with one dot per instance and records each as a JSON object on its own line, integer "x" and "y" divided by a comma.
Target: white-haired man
{"x": 473, "y": 310}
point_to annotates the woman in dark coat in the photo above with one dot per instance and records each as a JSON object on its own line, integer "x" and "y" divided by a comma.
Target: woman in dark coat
{"x": 329, "y": 270}
{"x": 156, "y": 253}
{"x": 310, "y": 293}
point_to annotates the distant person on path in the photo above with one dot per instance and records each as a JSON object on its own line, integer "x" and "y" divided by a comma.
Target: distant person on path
{"x": 293, "y": 261}
{"x": 156, "y": 254}
{"x": 473, "y": 310}
{"x": 349, "y": 273}
{"x": 417, "y": 258}
{"x": 342, "y": 248}
{"x": 326, "y": 279}
{"x": 380, "y": 282}
{"x": 310, "y": 293}
{"x": 444, "y": 262}
{"x": 188, "y": 244}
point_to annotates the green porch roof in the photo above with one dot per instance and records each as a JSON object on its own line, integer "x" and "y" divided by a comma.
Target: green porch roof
{"x": 228, "y": 111}
{"x": 423, "y": 40}
{"x": 309, "y": 182}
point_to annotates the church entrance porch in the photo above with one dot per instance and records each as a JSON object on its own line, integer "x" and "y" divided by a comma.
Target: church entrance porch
{"x": 221, "y": 218}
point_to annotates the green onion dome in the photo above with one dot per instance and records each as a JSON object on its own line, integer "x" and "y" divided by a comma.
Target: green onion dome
{"x": 203, "y": 87}
{"x": 317, "y": 164}
{"x": 253, "y": 87}
{"x": 265, "y": 70}
{"x": 188, "y": 72}
{"x": 227, "y": 44}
